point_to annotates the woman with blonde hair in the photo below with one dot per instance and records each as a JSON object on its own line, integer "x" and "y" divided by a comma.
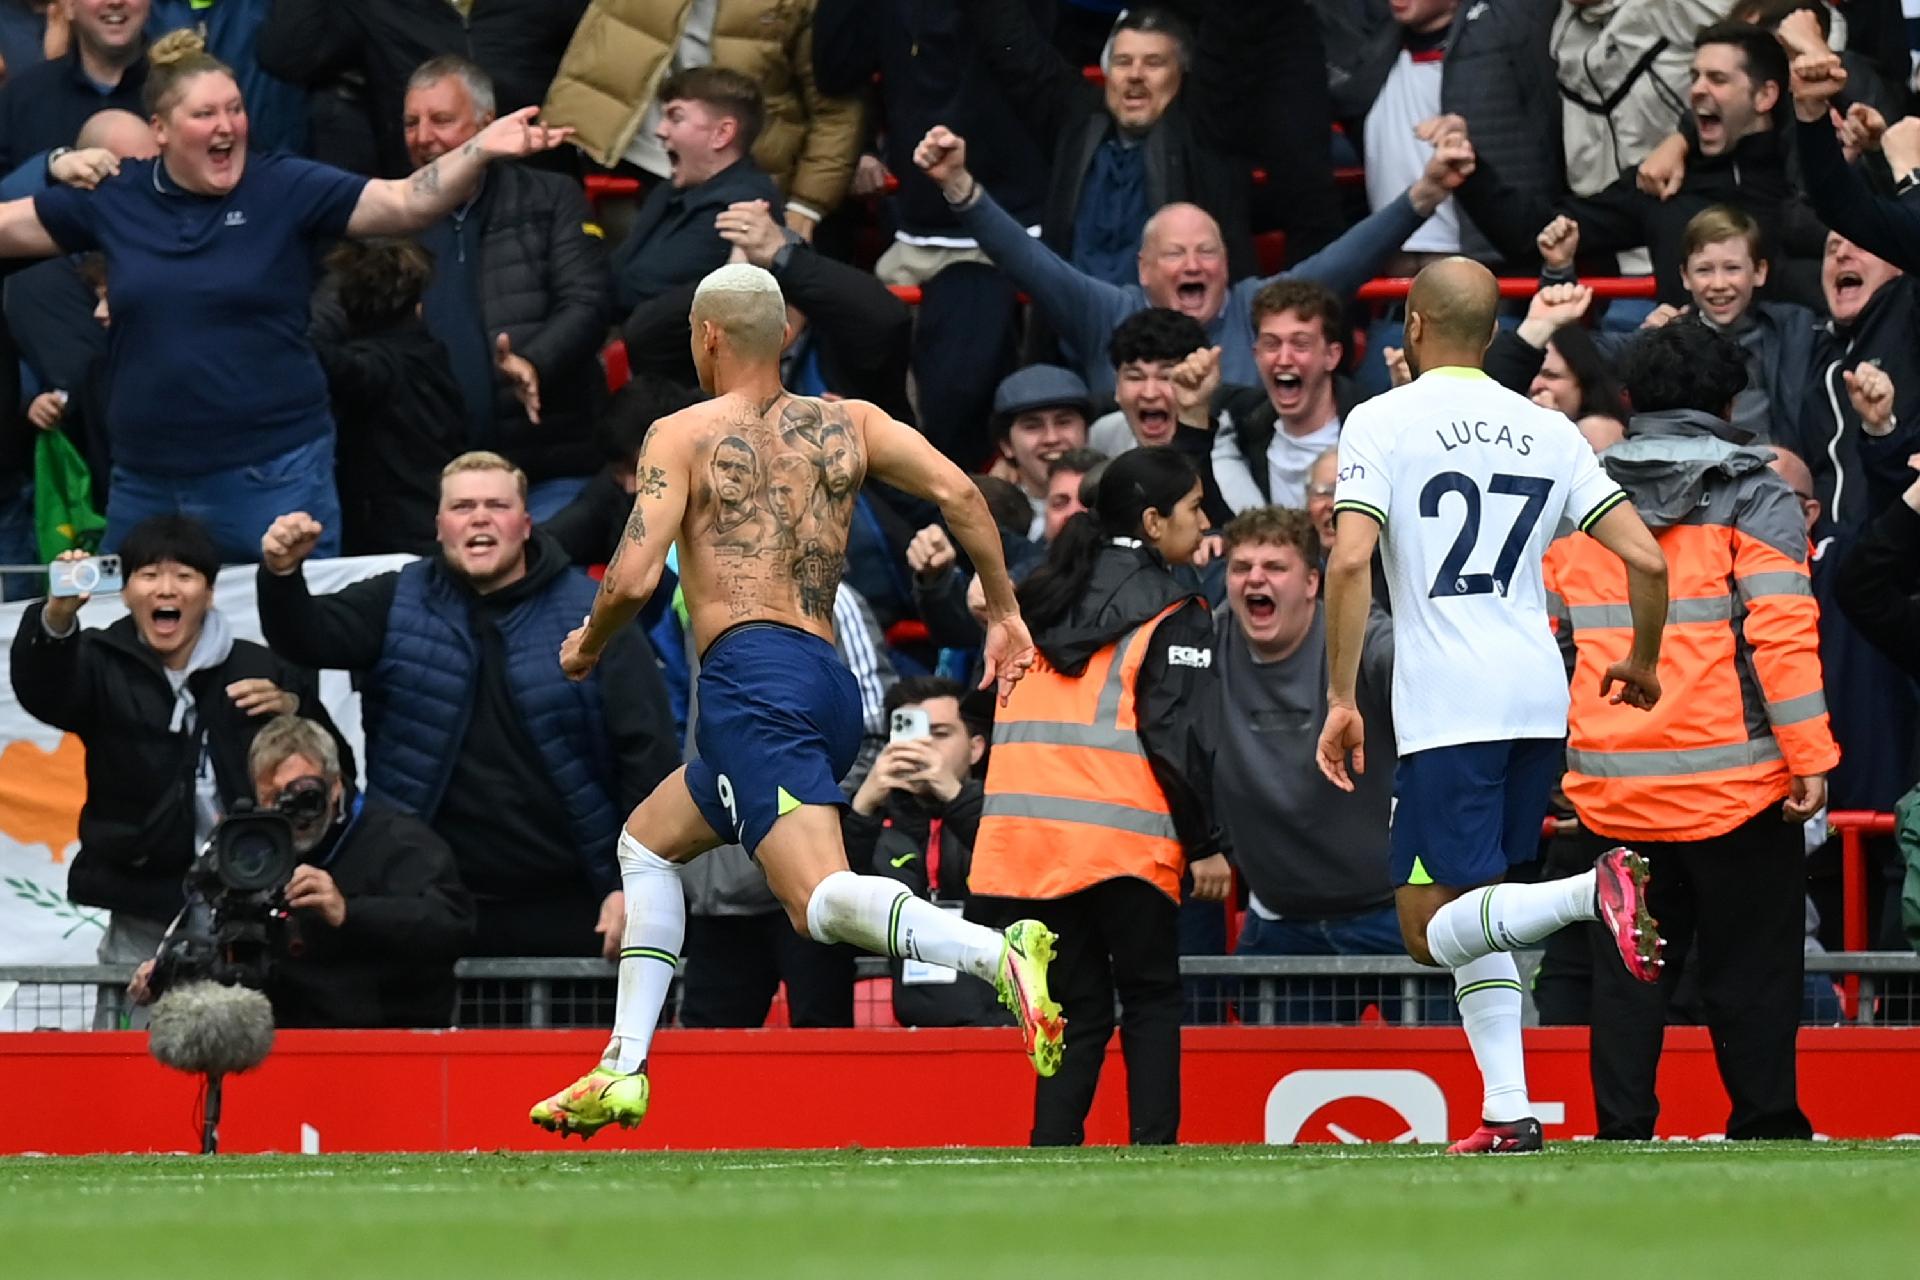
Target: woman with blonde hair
{"x": 218, "y": 405}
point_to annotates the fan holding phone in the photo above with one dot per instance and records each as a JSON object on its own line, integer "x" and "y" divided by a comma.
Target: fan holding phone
{"x": 166, "y": 701}
{"x": 930, "y": 761}
{"x": 913, "y": 820}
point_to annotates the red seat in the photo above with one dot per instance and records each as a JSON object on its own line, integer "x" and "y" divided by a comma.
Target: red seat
{"x": 601, "y": 187}
{"x": 1270, "y": 251}
{"x": 613, "y": 358}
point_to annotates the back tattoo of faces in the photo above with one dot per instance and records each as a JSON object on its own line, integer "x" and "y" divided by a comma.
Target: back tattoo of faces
{"x": 778, "y": 491}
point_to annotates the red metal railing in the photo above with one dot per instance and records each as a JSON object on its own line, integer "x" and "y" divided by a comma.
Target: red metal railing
{"x": 1855, "y": 826}
{"x": 1394, "y": 288}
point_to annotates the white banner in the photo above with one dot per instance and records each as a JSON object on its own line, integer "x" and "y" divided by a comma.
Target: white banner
{"x": 42, "y": 783}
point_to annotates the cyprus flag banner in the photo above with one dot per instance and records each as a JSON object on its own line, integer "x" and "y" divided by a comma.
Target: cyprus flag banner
{"x": 43, "y": 784}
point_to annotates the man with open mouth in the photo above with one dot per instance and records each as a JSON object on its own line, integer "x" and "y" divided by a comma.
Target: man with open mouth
{"x": 464, "y": 706}
{"x": 1315, "y": 860}
{"x": 1737, "y": 118}
{"x": 1858, "y": 471}
{"x": 1183, "y": 260}
{"x": 709, "y": 119}
{"x": 1270, "y": 434}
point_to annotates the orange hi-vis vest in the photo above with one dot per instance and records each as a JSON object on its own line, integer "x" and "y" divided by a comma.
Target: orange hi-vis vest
{"x": 1741, "y": 707}
{"x": 1071, "y": 799}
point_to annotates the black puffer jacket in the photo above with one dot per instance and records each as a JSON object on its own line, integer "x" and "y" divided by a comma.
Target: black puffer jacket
{"x": 543, "y": 283}
{"x": 516, "y": 42}
{"x": 1176, "y": 702}
{"x": 137, "y": 827}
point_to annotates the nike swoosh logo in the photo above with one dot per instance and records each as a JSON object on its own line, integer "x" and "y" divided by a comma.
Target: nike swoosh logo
{"x": 902, "y": 860}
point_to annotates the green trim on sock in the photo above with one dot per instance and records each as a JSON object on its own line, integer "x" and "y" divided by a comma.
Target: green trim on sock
{"x": 1485, "y": 985}
{"x": 1486, "y": 919}
{"x": 893, "y": 925}
{"x": 667, "y": 958}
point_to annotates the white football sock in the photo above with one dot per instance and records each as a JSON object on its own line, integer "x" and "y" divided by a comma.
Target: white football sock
{"x": 882, "y": 916}
{"x": 1504, "y": 916}
{"x": 1488, "y": 993}
{"x": 650, "y": 951}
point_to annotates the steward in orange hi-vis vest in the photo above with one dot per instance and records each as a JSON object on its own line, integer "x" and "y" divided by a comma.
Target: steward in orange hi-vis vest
{"x": 1099, "y": 791}
{"x": 1743, "y": 710}
{"x": 1071, "y": 796}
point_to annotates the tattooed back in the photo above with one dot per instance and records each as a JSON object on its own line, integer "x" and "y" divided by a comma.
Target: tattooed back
{"x": 770, "y": 494}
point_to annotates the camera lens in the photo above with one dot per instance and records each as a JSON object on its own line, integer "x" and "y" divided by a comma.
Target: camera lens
{"x": 253, "y": 852}
{"x": 250, "y": 856}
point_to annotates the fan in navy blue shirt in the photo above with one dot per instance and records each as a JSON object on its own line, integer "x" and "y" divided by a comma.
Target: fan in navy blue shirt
{"x": 218, "y": 405}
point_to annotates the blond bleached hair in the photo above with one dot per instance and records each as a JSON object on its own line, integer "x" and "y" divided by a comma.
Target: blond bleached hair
{"x": 744, "y": 302}
{"x": 486, "y": 460}
{"x": 174, "y": 61}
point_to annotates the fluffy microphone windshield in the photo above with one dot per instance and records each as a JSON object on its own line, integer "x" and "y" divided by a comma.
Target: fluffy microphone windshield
{"x": 207, "y": 1028}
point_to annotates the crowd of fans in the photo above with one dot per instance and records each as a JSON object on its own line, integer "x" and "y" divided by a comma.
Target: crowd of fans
{"x": 315, "y": 282}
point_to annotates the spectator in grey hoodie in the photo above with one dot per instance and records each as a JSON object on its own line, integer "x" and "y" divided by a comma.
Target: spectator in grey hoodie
{"x": 1314, "y": 859}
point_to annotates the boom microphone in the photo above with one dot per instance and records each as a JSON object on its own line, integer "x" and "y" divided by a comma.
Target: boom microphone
{"x": 207, "y": 1028}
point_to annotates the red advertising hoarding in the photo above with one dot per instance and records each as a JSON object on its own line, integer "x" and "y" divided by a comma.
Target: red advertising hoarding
{"x": 470, "y": 1090}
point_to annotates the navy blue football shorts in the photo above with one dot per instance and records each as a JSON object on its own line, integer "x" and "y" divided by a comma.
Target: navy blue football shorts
{"x": 778, "y": 725}
{"x": 1463, "y": 814}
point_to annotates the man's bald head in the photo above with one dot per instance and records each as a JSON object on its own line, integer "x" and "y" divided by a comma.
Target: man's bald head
{"x": 740, "y": 304}
{"x": 1183, "y": 262}
{"x": 1789, "y": 466}
{"x": 122, "y": 132}
{"x": 1450, "y": 315}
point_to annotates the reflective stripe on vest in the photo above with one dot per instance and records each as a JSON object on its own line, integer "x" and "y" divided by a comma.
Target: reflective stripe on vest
{"x": 1667, "y": 764}
{"x": 1071, "y": 799}
{"x": 1590, "y": 617}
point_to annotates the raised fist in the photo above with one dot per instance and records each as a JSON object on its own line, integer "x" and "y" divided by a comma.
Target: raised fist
{"x": 1871, "y": 391}
{"x": 931, "y": 552}
{"x": 942, "y": 156}
{"x": 288, "y": 541}
{"x": 1195, "y": 379}
{"x": 1559, "y": 242}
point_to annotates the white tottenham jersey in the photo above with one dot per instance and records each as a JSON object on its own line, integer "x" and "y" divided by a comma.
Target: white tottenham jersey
{"x": 1469, "y": 481}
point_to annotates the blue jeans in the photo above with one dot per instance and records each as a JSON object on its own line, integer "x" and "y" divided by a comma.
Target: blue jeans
{"x": 1369, "y": 933}
{"x": 237, "y": 504}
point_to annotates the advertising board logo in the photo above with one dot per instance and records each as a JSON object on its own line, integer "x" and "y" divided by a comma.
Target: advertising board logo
{"x": 1356, "y": 1107}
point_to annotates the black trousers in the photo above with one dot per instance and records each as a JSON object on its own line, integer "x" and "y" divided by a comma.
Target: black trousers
{"x": 736, "y": 963}
{"x": 1732, "y": 909}
{"x": 1119, "y": 937}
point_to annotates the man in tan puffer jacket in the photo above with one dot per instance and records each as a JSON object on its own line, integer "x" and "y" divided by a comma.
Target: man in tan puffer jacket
{"x": 623, "y": 49}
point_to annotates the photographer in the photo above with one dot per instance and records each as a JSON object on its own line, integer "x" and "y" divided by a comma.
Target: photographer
{"x": 378, "y": 913}
{"x": 166, "y": 703}
{"x": 913, "y": 819}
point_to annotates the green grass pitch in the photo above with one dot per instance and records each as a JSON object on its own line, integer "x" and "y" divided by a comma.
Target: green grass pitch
{"x": 1750, "y": 1211}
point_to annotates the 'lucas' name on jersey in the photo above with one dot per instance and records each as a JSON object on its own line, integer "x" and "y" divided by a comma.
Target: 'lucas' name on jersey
{"x": 1468, "y": 432}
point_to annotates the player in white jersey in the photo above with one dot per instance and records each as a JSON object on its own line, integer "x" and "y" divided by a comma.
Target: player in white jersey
{"x": 1461, "y": 484}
